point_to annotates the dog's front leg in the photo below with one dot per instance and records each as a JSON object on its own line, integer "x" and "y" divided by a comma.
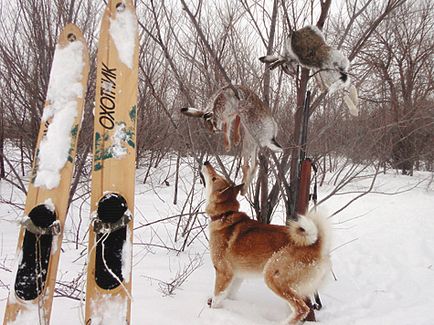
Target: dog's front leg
{"x": 234, "y": 287}
{"x": 223, "y": 281}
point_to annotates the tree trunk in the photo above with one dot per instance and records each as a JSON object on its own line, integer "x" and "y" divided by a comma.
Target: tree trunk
{"x": 264, "y": 215}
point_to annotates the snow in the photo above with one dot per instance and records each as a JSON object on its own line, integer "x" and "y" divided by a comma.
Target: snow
{"x": 64, "y": 89}
{"x": 109, "y": 311}
{"x": 123, "y": 30}
{"x": 30, "y": 313}
{"x": 26, "y": 316}
{"x": 126, "y": 255}
{"x": 382, "y": 256}
{"x": 50, "y": 205}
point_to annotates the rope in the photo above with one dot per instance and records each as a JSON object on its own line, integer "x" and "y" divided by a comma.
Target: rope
{"x": 105, "y": 229}
{"x": 82, "y": 314}
{"x": 111, "y": 272}
{"x": 38, "y": 274}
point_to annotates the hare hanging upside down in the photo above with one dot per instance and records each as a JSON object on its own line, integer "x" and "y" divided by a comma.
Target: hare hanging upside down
{"x": 229, "y": 113}
{"x": 307, "y": 47}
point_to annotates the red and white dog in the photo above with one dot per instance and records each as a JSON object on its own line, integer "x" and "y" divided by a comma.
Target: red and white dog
{"x": 292, "y": 260}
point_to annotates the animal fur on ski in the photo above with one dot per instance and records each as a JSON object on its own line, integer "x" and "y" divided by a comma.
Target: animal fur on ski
{"x": 292, "y": 260}
{"x": 307, "y": 47}
{"x": 229, "y": 112}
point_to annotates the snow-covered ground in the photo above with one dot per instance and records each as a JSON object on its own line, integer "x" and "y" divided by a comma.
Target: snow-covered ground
{"x": 383, "y": 258}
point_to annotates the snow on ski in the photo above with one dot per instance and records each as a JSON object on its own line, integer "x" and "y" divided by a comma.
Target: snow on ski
{"x": 108, "y": 293}
{"x": 31, "y": 292}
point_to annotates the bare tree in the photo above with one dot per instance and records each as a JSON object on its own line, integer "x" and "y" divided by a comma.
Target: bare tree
{"x": 400, "y": 56}
{"x": 186, "y": 55}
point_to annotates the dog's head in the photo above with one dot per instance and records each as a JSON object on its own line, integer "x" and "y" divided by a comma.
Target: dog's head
{"x": 221, "y": 194}
{"x": 208, "y": 118}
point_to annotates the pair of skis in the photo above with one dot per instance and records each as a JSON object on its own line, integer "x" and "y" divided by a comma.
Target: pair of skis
{"x": 108, "y": 293}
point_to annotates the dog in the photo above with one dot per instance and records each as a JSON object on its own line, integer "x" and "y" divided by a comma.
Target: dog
{"x": 292, "y": 259}
{"x": 307, "y": 47}
{"x": 229, "y": 112}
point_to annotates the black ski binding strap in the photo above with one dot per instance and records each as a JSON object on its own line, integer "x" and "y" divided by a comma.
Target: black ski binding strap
{"x": 110, "y": 226}
{"x": 41, "y": 225}
{"x": 53, "y": 229}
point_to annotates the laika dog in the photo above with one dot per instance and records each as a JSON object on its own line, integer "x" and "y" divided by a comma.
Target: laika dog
{"x": 307, "y": 47}
{"x": 292, "y": 260}
{"x": 228, "y": 113}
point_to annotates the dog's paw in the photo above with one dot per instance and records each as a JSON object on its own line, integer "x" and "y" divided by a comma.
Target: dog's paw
{"x": 214, "y": 302}
{"x": 292, "y": 321}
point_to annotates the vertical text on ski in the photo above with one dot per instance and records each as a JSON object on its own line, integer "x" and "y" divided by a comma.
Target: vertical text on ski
{"x": 107, "y": 102}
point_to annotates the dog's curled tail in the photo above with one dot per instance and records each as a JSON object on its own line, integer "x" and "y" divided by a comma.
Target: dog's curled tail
{"x": 309, "y": 229}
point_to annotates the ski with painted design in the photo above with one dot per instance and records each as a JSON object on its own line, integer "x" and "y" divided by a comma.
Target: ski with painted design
{"x": 31, "y": 292}
{"x": 108, "y": 292}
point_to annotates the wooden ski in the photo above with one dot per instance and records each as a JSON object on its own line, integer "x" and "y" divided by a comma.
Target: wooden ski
{"x": 40, "y": 238}
{"x": 108, "y": 293}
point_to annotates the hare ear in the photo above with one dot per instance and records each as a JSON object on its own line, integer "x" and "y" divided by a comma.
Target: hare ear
{"x": 192, "y": 112}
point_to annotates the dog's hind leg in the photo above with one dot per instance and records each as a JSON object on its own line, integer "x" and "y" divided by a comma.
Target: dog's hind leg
{"x": 279, "y": 280}
{"x": 296, "y": 303}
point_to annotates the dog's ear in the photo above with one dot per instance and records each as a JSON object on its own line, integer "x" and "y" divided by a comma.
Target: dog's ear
{"x": 238, "y": 188}
{"x": 192, "y": 112}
